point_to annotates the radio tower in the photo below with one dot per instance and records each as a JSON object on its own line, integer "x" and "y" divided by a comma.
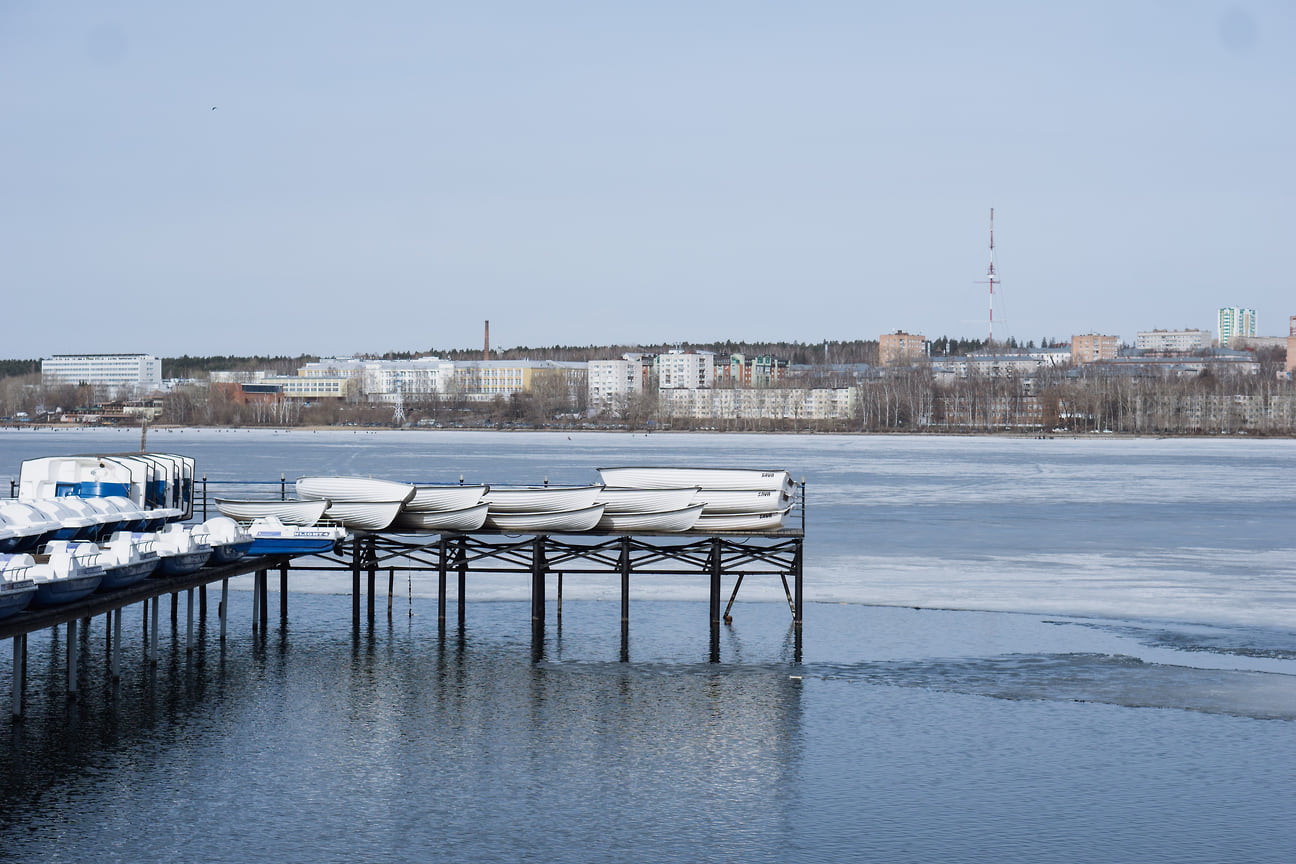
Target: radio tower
{"x": 991, "y": 278}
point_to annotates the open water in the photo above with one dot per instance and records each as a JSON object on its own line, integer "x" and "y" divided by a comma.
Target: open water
{"x": 1014, "y": 650}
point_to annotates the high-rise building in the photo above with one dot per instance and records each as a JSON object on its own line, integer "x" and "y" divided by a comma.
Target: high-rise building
{"x": 1235, "y": 321}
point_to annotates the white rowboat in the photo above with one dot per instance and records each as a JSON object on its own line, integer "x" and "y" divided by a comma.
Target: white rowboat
{"x": 540, "y": 499}
{"x": 719, "y": 501}
{"x": 465, "y": 519}
{"x": 291, "y": 512}
{"x": 618, "y": 500}
{"x": 447, "y": 497}
{"x": 741, "y": 522}
{"x": 564, "y": 522}
{"x": 337, "y": 489}
{"x": 673, "y": 520}
{"x": 363, "y": 515}
{"x": 707, "y": 478}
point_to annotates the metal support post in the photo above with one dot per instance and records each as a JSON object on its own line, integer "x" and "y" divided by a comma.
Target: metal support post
{"x": 538, "y": 580}
{"x": 256, "y": 599}
{"x": 355, "y": 583}
{"x": 263, "y": 597}
{"x": 224, "y": 607}
{"x": 799, "y": 597}
{"x": 283, "y": 591}
{"x": 728, "y": 619}
{"x": 372, "y": 560}
{"x": 441, "y": 581}
{"x": 714, "y": 566}
{"x": 463, "y": 580}
{"x": 624, "y": 566}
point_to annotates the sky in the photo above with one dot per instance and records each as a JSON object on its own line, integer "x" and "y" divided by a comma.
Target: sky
{"x": 328, "y": 178}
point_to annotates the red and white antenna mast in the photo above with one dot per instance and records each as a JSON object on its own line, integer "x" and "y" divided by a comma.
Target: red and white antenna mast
{"x": 991, "y": 278}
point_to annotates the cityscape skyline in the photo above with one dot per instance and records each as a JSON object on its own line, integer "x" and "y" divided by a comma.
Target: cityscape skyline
{"x": 294, "y": 179}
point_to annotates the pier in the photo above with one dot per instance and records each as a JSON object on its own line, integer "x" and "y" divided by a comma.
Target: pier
{"x": 544, "y": 559}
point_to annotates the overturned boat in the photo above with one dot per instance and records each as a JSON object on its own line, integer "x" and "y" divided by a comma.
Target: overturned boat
{"x": 540, "y": 499}
{"x": 291, "y": 511}
{"x": 670, "y": 521}
{"x": 550, "y": 522}
{"x": 649, "y": 477}
{"x": 464, "y": 519}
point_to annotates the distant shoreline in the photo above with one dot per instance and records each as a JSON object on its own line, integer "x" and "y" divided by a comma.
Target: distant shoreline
{"x": 168, "y": 428}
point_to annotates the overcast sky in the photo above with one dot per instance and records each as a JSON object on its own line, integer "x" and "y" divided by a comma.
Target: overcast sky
{"x": 333, "y": 178}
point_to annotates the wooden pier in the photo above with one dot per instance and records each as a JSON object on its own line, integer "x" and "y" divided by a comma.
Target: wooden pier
{"x": 715, "y": 557}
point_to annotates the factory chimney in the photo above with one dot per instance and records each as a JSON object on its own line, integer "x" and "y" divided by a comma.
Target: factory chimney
{"x": 486, "y": 348}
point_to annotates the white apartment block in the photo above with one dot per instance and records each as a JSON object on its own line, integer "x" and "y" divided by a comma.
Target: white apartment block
{"x": 1173, "y": 341}
{"x": 112, "y": 375}
{"x": 1235, "y": 321}
{"x": 794, "y": 403}
{"x": 612, "y": 383}
{"x": 685, "y": 370}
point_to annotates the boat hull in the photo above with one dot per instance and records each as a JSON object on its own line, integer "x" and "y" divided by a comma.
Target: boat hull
{"x": 670, "y": 521}
{"x": 363, "y": 515}
{"x": 619, "y": 501}
{"x": 65, "y": 589}
{"x": 15, "y": 597}
{"x": 741, "y": 522}
{"x": 541, "y": 499}
{"x": 648, "y": 477}
{"x": 183, "y": 562}
{"x": 228, "y": 553}
{"x": 271, "y": 537}
{"x": 370, "y": 489}
{"x": 465, "y": 519}
{"x": 564, "y": 522}
{"x": 294, "y": 512}
{"x": 733, "y": 501}
{"x": 434, "y": 497}
{"x": 128, "y": 574}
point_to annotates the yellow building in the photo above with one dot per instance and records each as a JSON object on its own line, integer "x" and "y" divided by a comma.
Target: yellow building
{"x": 900, "y": 347}
{"x": 1092, "y": 347}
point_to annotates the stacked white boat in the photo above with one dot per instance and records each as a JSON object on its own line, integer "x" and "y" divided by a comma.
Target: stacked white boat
{"x": 630, "y": 500}
{"x": 726, "y": 499}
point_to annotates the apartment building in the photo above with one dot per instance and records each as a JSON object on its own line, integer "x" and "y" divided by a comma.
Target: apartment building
{"x": 1235, "y": 321}
{"x": 679, "y": 369}
{"x": 111, "y": 375}
{"x": 1173, "y": 341}
{"x": 1093, "y": 347}
{"x": 900, "y": 347}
